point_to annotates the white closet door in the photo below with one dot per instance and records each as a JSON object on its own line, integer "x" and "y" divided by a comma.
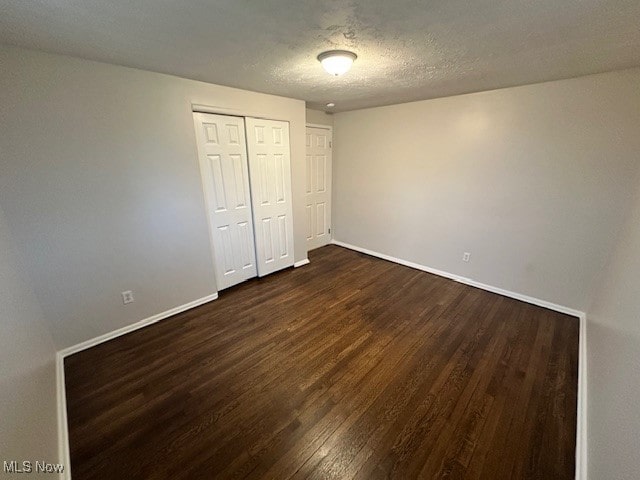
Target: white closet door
{"x": 223, "y": 165}
{"x": 318, "y": 187}
{"x": 270, "y": 176}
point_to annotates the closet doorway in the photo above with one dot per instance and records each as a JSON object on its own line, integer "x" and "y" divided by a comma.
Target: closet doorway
{"x": 246, "y": 177}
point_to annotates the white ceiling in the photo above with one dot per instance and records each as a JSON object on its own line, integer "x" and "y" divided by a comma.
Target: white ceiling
{"x": 407, "y": 49}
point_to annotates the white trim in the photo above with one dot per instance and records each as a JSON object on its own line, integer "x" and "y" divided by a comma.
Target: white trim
{"x": 319, "y": 125}
{"x": 581, "y": 430}
{"x": 63, "y": 431}
{"x": 136, "y": 326}
{"x": 235, "y": 112}
{"x": 581, "y": 427}
{"x": 301, "y": 263}
{"x": 466, "y": 281}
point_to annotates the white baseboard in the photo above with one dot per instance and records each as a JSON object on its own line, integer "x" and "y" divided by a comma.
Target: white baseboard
{"x": 466, "y": 281}
{"x": 581, "y": 434}
{"x": 301, "y": 263}
{"x": 135, "y": 326}
{"x": 581, "y": 430}
{"x": 63, "y": 431}
{"x": 581, "y": 427}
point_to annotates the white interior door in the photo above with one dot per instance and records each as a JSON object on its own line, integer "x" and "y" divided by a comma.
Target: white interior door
{"x": 318, "y": 187}
{"x": 223, "y": 165}
{"x": 270, "y": 178}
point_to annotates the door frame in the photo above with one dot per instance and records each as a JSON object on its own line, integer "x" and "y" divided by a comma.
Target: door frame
{"x": 330, "y": 128}
{"x": 318, "y": 125}
{"x": 235, "y": 112}
{"x": 231, "y": 112}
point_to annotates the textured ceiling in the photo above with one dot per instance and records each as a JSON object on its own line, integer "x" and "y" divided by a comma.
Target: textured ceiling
{"x": 407, "y": 50}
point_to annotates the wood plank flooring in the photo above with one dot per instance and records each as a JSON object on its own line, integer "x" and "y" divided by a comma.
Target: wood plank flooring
{"x": 348, "y": 368}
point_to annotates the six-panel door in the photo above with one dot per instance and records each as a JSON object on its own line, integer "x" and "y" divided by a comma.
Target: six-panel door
{"x": 318, "y": 187}
{"x": 223, "y": 165}
{"x": 270, "y": 178}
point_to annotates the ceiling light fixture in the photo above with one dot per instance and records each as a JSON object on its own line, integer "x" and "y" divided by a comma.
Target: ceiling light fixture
{"x": 337, "y": 62}
{"x": 331, "y": 105}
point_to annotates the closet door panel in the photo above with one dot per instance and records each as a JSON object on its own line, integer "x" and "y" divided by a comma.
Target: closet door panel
{"x": 270, "y": 179}
{"x": 222, "y": 155}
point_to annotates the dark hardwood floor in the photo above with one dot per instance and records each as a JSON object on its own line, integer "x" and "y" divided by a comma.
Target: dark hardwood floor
{"x": 350, "y": 367}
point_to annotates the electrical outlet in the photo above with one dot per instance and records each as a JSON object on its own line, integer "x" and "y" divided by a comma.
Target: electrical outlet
{"x": 466, "y": 257}
{"x": 127, "y": 297}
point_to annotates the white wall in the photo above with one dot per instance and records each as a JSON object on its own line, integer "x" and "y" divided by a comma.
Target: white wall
{"x": 101, "y": 187}
{"x": 531, "y": 180}
{"x": 28, "y": 427}
{"x": 319, "y": 117}
{"x": 613, "y": 349}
